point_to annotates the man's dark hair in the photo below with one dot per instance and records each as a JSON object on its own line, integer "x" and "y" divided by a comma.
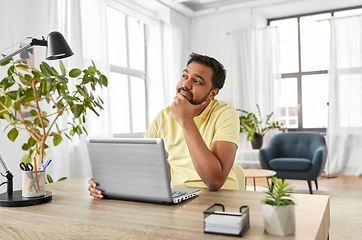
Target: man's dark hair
{"x": 218, "y": 78}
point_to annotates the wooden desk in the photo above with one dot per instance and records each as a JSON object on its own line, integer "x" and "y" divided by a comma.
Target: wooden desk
{"x": 73, "y": 214}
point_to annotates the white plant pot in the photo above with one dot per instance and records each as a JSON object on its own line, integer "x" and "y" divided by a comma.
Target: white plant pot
{"x": 279, "y": 220}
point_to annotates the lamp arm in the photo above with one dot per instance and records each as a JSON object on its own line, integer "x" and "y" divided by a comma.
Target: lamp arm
{"x": 8, "y": 176}
{"x": 34, "y": 42}
{"x": 14, "y": 53}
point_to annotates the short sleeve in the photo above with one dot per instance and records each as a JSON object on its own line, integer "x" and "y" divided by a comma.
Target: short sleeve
{"x": 228, "y": 126}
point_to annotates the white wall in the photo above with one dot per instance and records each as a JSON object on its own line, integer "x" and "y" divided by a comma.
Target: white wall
{"x": 209, "y": 36}
{"x": 183, "y": 23}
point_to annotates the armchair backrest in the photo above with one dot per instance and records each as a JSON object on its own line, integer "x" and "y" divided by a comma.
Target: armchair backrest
{"x": 297, "y": 144}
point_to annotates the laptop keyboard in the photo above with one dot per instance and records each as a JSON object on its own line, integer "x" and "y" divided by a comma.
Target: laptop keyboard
{"x": 177, "y": 194}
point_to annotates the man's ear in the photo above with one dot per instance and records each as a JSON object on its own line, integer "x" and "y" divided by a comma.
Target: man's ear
{"x": 213, "y": 93}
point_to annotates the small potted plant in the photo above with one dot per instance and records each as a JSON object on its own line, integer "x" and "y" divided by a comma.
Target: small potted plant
{"x": 278, "y": 209}
{"x": 255, "y": 128}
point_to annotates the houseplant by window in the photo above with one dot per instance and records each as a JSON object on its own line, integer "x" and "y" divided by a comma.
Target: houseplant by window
{"x": 26, "y": 95}
{"x": 278, "y": 209}
{"x": 255, "y": 128}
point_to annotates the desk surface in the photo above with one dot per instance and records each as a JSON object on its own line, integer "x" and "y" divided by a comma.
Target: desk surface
{"x": 73, "y": 214}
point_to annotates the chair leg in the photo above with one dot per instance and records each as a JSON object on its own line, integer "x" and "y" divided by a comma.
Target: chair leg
{"x": 310, "y": 187}
{"x": 316, "y": 184}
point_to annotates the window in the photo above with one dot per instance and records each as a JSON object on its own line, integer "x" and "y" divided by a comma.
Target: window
{"x": 127, "y": 80}
{"x": 304, "y": 46}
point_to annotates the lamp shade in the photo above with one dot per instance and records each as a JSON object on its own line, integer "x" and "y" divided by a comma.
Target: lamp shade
{"x": 57, "y": 47}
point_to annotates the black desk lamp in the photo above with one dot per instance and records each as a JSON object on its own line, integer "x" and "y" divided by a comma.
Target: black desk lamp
{"x": 57, "y": 47}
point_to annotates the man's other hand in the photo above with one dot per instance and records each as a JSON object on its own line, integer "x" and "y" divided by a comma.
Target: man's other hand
{"x": 93, "y": 191}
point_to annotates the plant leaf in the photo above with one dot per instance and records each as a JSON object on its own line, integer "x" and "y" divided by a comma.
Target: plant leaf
{"x": 6, "y": 62}
{"x": 62, "y": 68}
{"x": 57, "y": 139}
{"x": 62, "y": 179}
{"x": 62, "y": 79}
{"x": 9, "y": 118}
{"x": 104, "y": 80}
{"x": 23, "y": 67}
{"x": 48, "y": 69}
{"x": 10, "y": 82}
{"x": 49, "y": 178}
{"x": 13, "y": 134}
{"x": 75, "y": 72}
{"x": 33, "y": 112}
{"x": 26, "y": 158}
{"x": 78, "y": 110}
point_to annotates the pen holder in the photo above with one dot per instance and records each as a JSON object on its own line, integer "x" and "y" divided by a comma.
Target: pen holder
{"x": 217, "y": 221}
{"x": 33, "y": 183}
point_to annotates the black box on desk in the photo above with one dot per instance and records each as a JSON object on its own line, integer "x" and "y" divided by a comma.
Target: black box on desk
{"x": 217, "y": 221}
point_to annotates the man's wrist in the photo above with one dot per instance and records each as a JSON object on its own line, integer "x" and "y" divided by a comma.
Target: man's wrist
{"x": 186, "y": 122}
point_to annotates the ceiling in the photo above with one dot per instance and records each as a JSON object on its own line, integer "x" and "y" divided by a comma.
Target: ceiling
{"x": 196, "y": 8}
{"x": 199, "y": 5}
{"x": 193, "y": 8}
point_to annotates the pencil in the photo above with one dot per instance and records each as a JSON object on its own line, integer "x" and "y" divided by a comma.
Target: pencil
{"x": 35, "y": 169}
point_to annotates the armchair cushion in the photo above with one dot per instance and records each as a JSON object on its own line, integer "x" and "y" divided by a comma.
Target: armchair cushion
{"x": 291, "y": 164}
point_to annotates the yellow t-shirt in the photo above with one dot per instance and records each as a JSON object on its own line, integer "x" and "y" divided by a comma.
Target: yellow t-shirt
{"x": 218, "y": 122}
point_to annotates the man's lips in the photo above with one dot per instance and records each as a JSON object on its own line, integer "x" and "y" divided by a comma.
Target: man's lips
{"x": 186, "y": 94}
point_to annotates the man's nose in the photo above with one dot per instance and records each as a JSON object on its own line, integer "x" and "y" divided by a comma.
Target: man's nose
{"x": 187, "y": 84}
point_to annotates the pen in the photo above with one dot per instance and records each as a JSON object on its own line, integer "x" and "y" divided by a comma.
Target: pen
{"x": 35, "y": 169}
{"x": 45, "y": 165}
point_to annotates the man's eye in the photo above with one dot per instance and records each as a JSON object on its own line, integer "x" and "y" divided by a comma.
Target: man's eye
{"x": 198, "y": 82}
{"x": 184, "y": 76}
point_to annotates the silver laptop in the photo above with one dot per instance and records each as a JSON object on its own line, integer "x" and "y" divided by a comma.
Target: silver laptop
{"x": 134, "y": 169}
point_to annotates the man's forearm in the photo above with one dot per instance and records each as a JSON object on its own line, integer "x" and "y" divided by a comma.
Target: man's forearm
{"x": 207, "y": 165}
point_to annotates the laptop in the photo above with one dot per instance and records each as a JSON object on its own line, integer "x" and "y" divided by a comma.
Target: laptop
{"x": 133, "y": 169}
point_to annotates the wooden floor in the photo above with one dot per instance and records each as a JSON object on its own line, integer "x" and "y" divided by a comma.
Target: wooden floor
{"x": 339, "y": 183}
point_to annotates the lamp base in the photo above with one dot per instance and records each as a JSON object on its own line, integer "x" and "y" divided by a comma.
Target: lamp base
{"x": 17, "y": 200}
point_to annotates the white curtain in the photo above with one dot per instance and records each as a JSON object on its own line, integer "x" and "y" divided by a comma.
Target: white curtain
{"x": 255, "y": 75}
{"x": 83, "y": 24}
{"x": 344, "y": 134}
{"x": 164, "y": 65}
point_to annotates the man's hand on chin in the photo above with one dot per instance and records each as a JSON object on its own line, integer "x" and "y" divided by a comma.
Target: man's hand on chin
{"x": 182, "y": 110}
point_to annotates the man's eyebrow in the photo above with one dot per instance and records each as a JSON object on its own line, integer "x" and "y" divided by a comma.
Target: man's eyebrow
{"x": 196, "y": 75}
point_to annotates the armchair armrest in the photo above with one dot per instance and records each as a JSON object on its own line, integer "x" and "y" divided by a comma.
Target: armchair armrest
{"x": 318, "y": 161}
{"x": 265, "y": 155}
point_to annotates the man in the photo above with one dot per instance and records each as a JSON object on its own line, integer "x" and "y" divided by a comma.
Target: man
{"x": 200, "y": 134}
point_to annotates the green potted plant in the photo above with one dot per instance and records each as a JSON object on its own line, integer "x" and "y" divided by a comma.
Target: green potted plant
{"x": 278, "y": 208}
{"x": 255, "y": 128}
{"x": 26, "y": 95}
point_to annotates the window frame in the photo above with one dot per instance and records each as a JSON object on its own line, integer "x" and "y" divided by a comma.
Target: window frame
{"x": 298, "y": 75}
{"x": 130, "y": 72}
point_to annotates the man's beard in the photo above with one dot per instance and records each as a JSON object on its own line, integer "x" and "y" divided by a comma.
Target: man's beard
{"x": 192, "y": 96}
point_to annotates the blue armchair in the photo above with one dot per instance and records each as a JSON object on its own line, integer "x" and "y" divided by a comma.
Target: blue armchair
{"x": 295, "y": 155}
